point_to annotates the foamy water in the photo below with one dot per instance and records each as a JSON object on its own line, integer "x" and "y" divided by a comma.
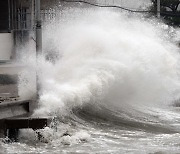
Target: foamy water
{"x": 111, "y": 79}
{"x": 109, "y": 59}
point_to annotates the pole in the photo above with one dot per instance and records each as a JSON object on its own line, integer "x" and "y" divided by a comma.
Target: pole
{"x": 32, "y": 14}
{"x": 38, "y": 29}
{"x": 9, "y": 16}
{"x": 38, "y": 40}
{"x": 158, "y": 8}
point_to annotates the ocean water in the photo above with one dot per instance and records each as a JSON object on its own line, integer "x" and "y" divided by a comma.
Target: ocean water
{"x": 111, "y": 79}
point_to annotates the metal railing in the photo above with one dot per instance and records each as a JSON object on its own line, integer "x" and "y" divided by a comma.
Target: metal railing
{"x": 22, "y": 18}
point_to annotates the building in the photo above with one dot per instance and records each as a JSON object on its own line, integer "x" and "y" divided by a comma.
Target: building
{"x": 17, "y": 22}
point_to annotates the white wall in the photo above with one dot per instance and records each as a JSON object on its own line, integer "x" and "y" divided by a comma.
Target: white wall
{"x": 6, "y": 46}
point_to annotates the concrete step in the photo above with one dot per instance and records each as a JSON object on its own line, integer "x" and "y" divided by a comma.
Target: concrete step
{"x": 10, "y": 67}
{"x": 14, "y": 108}
{"x": 23, "y": 122}
{"x": 9, "y": 127}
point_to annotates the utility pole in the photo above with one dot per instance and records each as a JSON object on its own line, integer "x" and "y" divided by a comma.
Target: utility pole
{"x": 38, "y": 28}
{"x": 158, "y": 8}
{"x": 38, "y": 40}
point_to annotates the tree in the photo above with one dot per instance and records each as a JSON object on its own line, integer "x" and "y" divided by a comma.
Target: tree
{"x": 169, "y": 10}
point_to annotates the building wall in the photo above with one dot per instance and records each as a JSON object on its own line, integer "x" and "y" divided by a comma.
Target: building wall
{"x": 6, "y": 46}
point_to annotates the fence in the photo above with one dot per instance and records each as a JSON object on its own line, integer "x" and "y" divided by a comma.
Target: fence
{"x": 22, "y": 18}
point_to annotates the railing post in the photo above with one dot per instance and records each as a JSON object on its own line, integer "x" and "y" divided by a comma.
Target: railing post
{"x": 158, "y": 8}
{"x": 38, "y": 39}
{"x": 38, "y": 28}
